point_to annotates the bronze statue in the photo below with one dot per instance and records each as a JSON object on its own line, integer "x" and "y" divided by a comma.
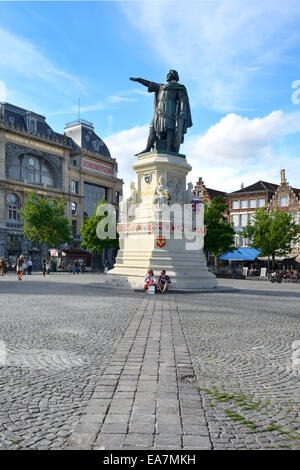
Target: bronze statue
{"x": 172, "y": 114}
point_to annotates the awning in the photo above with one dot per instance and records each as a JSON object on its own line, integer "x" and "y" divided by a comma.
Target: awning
{"x": 279, "y": 259}
{"x": 240, "y": 254}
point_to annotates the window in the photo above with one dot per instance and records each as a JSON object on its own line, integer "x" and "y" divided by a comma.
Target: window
{"x": 31, "y": 124}
{"x": 244, "y": 220}
{"x": 15, "y": 168}
{"x": 235, "y": 204}
{"x": 238, "y": 240}
{"x": 284, "y": 201}
{"x": 13, "y": 206}
{"x": 74, "y": 208}
{"x": 74, "y": 227}
{"x": 235, "y": 218}
{"x": 261, "y": 202}
{"x": 295, "y": 217}
{"x": 31, "y": 168}
{"x": 92, "y": 196}
{"x": 252, "y": 203}
{"x": 74, "y": 187}
{"x": 38, "y": 172}
{"x": 251, "y": 218}
{"x": 117, "y": 197}
{"x": 199, "y": 193}
{"x": 244, "y": 204}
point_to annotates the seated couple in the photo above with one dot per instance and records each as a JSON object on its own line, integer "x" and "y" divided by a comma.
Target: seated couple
{"x": 161, "y": 283}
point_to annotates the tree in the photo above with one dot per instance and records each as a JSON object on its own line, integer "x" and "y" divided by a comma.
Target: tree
{"x": 45, "y": 221}
{"x": 272, "y": 231}
{"x": 89, "y": 236}
{"x": 219, "y": 236}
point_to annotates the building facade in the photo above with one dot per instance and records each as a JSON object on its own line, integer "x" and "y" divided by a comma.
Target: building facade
{"x": 288, "y": 199}
{"x": 76, "y": 165}
{"x": 243, "y": 203}
{"x": 206, "y": 194}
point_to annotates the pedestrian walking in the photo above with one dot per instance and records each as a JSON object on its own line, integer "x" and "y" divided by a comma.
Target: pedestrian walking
{"x": 44, "y": 263}
{"x": 29, "y": 266}
{"x": 82, "y": 268}
{"x": 48, "y": 266}
{"x": 25, "y": 265}
{"x": 105, "y": 267}
{"x": 20, "y": 270}
{"x": 75, "y": 267}
{"x": 2, "y": 266}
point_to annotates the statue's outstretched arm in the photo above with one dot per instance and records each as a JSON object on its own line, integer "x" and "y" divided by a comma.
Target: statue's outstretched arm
{"x": 152, "y": 86}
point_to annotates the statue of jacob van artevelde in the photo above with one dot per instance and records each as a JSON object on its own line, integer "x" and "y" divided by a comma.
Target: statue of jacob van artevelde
{"x": 172, "y": 114}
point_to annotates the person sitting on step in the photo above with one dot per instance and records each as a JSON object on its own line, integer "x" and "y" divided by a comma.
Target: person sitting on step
{"x": 163, "y": 282}
{"x": 149, "y": 280}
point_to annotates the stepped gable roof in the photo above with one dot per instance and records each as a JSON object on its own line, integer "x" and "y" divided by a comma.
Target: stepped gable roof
{"x": 259, "y": 186}
{"x": 18, "y": 118}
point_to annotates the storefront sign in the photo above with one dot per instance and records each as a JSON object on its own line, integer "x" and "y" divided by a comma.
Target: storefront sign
{"x": 97, "y": 167}
{"x": 54, "y": 253}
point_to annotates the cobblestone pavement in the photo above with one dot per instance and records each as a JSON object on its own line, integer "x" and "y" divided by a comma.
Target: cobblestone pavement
{"x": 58, "y": 334}
{"x": 144, "y": 399}
{"x": 241, "y": 347}
{"x": 88, "y": 367}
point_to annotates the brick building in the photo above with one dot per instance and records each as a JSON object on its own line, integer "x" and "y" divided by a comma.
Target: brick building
{"x": 76, "y": 165}
{"x": 243, "y": 203}
{"x": 288, "y": 198}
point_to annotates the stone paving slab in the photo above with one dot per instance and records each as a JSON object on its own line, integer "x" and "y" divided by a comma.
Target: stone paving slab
{"x": 142, "y": 400}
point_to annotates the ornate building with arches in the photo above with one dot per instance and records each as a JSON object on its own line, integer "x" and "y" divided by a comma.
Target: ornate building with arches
{"x": 76, "y": 165}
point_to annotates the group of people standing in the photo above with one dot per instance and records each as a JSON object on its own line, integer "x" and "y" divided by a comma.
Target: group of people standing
{"x": 161, "y": 283}
{"x": 23, "y": 266}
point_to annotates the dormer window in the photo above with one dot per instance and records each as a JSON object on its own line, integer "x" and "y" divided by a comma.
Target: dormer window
{"x": 31, "y": 124}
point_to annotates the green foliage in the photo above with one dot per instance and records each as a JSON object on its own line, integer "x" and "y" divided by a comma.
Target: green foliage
{"x": 90, "y": 239}
{"x": 219, "y": 236}
{"x": 272, "y": 231}
{"x": 45, "y": 221}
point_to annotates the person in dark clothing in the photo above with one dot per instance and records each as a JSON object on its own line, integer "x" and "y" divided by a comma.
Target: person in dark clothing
{"x": 29, "y": 266}
{"x": 163, "y": 282}
{"x": 44, "y": 263}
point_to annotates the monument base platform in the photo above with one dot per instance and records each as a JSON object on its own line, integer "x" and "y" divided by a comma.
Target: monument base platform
{"x": 187, "y": 270}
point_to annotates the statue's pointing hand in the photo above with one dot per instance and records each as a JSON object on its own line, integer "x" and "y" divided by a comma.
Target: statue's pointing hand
{"x": 134, "y": 79}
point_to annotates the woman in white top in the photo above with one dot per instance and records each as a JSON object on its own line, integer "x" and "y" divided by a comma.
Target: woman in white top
{"x": 149, "y": 280}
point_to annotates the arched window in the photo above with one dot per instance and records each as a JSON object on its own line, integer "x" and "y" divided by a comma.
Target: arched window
{"x": 38, "y": 171}
{"x": 31, "y": 168}
{"x": 13, "y": 206}
{"x": 15, "y": 168}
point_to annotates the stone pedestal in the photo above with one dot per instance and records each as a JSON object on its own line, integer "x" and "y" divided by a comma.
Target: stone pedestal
{"x": 142, "y": 241}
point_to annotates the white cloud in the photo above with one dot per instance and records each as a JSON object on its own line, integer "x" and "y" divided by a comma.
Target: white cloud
{"x": 2, "y": 91}
{"x": 235, "y": 138}
{"x": 216, "y": 44}
{"x": 234, "y": 150}
{"x": 20, "y": 56}
{"x": 238, "y": 149}
{"x": 123, "y": 146}
{"x": 118, "y": 99}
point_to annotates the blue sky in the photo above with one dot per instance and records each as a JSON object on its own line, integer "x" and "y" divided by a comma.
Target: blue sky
{"x": 238, "y": 60}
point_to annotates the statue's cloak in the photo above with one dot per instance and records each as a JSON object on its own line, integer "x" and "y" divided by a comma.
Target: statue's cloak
{"x": 171, "y": 107}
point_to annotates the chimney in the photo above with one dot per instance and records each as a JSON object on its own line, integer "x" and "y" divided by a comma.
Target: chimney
{"x": 282, "y": 177}
{"x": 242, "y": 185}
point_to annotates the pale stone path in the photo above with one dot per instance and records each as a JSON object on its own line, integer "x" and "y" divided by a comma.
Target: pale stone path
{"x": 145, "y": 398}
